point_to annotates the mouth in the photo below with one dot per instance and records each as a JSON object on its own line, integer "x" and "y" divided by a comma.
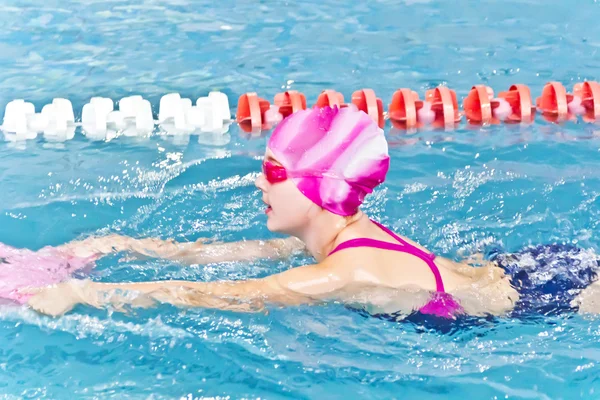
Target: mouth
{"x": 269, "y": 208}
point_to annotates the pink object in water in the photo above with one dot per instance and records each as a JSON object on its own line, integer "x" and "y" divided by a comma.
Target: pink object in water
{"x": 442, "y": 304}
{"x": 503, "y": 109}
{"x": 575, "y": 106}
{"x": 21, "y": 268}
{"x": 425, "y": 114}
{"x": 272, "y": 116}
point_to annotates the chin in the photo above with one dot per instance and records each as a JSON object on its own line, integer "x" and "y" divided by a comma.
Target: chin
{"x": 271, "y": 226}
{"x": 276, "y": 228}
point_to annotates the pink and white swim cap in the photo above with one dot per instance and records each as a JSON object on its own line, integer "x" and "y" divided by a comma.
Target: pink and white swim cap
{"x": 335, "y": 157}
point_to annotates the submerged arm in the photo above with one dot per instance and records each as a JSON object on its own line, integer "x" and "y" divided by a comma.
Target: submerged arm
{"x": 301, "y": 285}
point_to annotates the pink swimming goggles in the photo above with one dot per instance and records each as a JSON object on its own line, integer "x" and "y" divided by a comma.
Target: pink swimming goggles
{"x": 274, "y": 173}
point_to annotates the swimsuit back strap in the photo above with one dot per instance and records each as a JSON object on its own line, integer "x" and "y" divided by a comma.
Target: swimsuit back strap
{"x": 366, "y": 242}
{"x": 415, "y": 251}
{"x": 403, "y": 247}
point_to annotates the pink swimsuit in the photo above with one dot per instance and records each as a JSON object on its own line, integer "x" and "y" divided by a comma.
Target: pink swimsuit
{"x": 442, "y": 304}
{"x": 20, "y": 268}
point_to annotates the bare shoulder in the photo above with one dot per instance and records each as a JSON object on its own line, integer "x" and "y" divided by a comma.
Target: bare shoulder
{"x": 344, "y": 262}
{"x": 322, "y": 279}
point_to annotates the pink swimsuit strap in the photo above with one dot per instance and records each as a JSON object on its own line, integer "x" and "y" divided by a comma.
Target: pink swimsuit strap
{"x": 441, "y": 304}
{"x": 403, "y": 247}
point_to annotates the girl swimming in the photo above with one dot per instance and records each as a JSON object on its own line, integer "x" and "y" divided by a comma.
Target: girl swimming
{"x": 318, "y": 167}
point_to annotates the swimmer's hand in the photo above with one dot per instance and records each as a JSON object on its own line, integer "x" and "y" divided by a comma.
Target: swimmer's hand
{"x": 53, "y": 300}
{"x": 58, "y": 299}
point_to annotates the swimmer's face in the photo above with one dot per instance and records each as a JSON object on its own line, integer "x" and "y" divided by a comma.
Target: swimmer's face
{"x": 288, "y": 210}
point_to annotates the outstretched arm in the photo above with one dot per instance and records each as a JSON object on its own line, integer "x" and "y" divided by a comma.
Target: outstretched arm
{"x": 301, "y": 285}
{"x": 191, "y": 252}
{"x": 246, "y": 250}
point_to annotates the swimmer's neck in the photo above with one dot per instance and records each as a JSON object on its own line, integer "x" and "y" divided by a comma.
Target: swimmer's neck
{"x": 324, "y": 233}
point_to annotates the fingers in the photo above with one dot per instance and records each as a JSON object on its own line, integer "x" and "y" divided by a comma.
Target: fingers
{"x": 51, "y": 308}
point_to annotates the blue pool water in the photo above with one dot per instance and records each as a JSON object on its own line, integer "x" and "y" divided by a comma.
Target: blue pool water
{"x": 452, "y": 191}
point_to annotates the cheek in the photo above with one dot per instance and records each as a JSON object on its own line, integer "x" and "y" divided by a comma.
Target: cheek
{"x": 291, "y": 209}
{"x": 288, "y": 200}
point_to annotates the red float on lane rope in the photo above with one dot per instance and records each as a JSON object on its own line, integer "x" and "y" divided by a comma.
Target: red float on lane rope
{"x": 250, "y": 112}
{"x": 589, "y": 92}
{"x": 367, "y": 101}
{"x": 402, "y": 110}
{"x": 330, "y": 98}
{"x": 553, "y": 102}
{"x": 519, "y": 98}
{"x": 290, "y": 102}
{"x": 478, "y": 105}
{"x": 444, "y": 104}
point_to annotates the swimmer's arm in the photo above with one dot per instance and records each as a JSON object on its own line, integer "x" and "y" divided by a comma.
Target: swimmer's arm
{"x": 188, "y": 252}
{"x": 296, "y": 286}
{"x": 302, "y": 285}
{"x": 246, "y": 250}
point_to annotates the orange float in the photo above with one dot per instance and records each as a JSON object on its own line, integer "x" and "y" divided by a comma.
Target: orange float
{"x": 367, "y": 101}
{"x": 290, "y": 102}
{"x": 519, "y": 98}
{"x": 330, "y": 98}
{"x": 589, "y": 92}
{"x": 553, "y": 103}
{"x": 250, "y": 112}
{"x": 444, "y": 104}
{"x": 402, "y": 111}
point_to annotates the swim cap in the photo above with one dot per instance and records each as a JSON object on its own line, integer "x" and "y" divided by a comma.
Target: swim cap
{"x": 335, "y": 157}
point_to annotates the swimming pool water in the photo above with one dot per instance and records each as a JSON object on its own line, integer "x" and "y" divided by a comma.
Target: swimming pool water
{"x": 454, "y": 192}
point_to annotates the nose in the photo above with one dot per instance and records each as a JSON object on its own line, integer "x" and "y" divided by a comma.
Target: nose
{"x": 261, "y": 182}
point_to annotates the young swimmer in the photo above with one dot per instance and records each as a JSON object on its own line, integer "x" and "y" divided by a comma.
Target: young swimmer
{"x": 318, "y": 167}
